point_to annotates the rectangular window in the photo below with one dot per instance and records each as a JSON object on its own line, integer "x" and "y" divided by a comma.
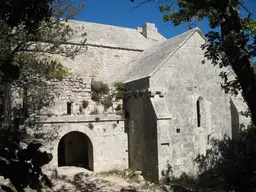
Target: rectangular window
{"x": 69, "y": 108}
{"x": 198, "y": 113}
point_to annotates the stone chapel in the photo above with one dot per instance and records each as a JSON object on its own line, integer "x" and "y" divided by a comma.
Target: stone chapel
{"x": 172, "y": 105}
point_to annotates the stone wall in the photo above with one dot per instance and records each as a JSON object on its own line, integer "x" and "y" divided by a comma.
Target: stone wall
{"x": 189, "y": 81}
{"x": 103, "y": 127}
{"x": 142, "y": 132}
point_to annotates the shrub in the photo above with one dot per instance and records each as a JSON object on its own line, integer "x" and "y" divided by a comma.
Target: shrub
{"x": 120, "y": 88}
{"x": 100, "y": 87}
{"x": 97, "y": 119}
{"x": 118, "y": 107}
{"x": 95, "y": 96}
{"x": 85, "y": 104}
{"x": 90, "y": 125}
{"x": 107, "y": 102}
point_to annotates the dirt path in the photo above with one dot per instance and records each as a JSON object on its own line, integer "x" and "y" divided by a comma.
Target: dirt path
{"x": 78, "y": 180}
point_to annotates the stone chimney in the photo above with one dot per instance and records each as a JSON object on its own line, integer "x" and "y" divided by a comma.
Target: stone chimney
{"x": 150, "y": 31}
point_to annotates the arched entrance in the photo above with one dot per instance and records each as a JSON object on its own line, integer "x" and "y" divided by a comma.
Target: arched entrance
{"x": 75, "y": 149}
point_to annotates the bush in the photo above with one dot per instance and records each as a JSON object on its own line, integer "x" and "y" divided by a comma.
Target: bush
{"x": 97, "y": 119}
{"x": 118, "y": 107}
{"x": 100, "y": 87}
{"x": 107, "y": 102}
{"x": 85, "y": 104}
{"x": 90, "y": 125}
{"x": 95, "y": 96}
{"x": 120, "y": 89}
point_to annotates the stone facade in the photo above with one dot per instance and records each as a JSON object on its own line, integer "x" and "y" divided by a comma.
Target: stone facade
{"x": 173, "y": 104}
{"x": 178, "y": 107}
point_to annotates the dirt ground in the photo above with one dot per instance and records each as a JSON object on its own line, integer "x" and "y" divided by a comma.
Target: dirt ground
{"x": 72, "y": 179}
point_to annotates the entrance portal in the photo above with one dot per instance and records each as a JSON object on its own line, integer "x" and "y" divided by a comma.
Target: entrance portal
{"x": 75, "y": 149}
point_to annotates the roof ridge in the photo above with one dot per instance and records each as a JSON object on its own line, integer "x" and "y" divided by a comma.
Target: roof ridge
{"x": 190, "y": 33}
{"x": 101, "y": 24}
{"x": 171, "y": 46}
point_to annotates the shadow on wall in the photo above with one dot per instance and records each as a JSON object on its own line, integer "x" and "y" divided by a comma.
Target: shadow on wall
{"x": 230, "y": 165}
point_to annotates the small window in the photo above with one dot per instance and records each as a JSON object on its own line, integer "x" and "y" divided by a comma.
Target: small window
{"x": 198, "y": 113}
{"x": 69, "y": 108}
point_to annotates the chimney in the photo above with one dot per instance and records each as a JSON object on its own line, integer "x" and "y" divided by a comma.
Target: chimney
{"x": 150, "y": 31}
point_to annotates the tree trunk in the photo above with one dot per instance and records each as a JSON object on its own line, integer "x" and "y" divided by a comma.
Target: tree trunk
{"x": 239, "y": 58}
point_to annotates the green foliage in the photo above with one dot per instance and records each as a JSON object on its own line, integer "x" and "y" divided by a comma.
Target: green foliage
{"x": 49, "y": 69}
{"x": 120, "y": 89}
{"x": 118, "y": 107}
{"x": 30, "y": 32}
{"x": 233, "y": 45}
{"x": 97, "y": 119}
{"x": 98, "y": 90}
{"x": 23, "y": 166}
{"x": 107, "y": 102}
{"x": 36, "y": 31}
{"x": 100, "y": 87}
{"x": 95, "y": 96}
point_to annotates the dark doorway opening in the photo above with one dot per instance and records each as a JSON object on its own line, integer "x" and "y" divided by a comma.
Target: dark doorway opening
{"x": 75, "y": 149}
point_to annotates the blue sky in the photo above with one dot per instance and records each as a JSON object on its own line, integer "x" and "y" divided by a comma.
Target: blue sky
{"x": 122, "y": 13}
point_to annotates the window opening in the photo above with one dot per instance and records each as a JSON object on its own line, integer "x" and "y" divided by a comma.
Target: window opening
{"x": 69, "y": 108}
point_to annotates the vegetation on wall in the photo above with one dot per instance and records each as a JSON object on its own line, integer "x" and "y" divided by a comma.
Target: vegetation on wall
{"x": 85, "y": 104}
{"x": 120, "y": 89}
{"x": 118, "y": 107}
{"x": 101, "y": 94}
{"x": 90, "y": 125}
{"x": 107, "y": 102}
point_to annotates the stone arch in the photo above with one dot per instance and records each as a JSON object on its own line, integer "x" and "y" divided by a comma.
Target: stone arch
{"x": 75, "y": 149}
{"x": 65, "y": 129}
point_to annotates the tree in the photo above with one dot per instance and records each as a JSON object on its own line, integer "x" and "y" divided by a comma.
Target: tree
{"x": 232, "y": 41}
{"x": 30, "y": 32}
{"x": 22, "y": 32}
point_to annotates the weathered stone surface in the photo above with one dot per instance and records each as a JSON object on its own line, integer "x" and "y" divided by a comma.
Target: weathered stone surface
{"x": 166, "y": 84}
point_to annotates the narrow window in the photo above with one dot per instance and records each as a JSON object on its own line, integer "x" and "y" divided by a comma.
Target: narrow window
{"x": 69, "y": 108}
{"x": 198, "y": 113}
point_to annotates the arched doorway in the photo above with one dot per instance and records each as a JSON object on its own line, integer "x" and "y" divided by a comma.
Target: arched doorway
{"x": 75, "y": 149}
